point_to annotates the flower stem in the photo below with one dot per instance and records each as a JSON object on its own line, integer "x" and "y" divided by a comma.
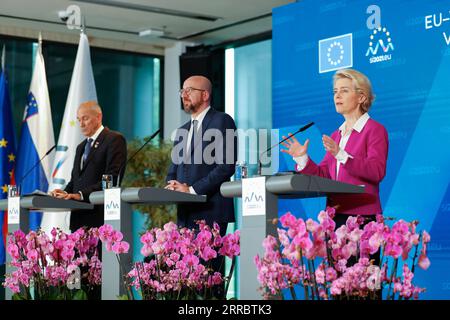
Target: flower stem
{"x": 394, "y": 271}
{"x": 305, "y": 285}
{"x": 124, "y": 280}
{"x": 415, "y": 254}
{"x": 137, "y": 265}
{"x": 229, "y": 276}
{"x": 294, "y": 295}
{"x": 316, "y": 287}
{"x": 330, "y": 258}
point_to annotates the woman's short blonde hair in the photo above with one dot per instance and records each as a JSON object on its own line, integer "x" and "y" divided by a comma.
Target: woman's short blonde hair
{"x": 361, "y": 84}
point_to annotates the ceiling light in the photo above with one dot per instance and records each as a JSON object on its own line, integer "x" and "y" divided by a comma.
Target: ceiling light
{"x": 151, "y": 32}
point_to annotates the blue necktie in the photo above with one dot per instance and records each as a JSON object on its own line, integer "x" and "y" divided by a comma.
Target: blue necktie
{"x": 87, "y": 149}
{"x": 194, "y": 132}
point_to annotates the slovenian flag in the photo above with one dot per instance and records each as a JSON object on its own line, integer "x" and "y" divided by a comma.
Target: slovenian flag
{"x": 36, "y": 138}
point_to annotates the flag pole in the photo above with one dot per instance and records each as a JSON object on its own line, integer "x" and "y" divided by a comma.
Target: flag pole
{"x": 40, "y": 43}
{"x": 3, "y": 58}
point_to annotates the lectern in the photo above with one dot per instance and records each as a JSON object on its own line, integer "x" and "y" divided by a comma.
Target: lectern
{"x": 255, "y": 228}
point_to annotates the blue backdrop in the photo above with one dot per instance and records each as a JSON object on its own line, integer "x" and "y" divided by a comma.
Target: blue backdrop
{"x": 403, "y": 47}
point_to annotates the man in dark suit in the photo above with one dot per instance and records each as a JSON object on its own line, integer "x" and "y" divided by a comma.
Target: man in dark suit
{"x": 202, "y": 167}
{"x": 102, "y": 152}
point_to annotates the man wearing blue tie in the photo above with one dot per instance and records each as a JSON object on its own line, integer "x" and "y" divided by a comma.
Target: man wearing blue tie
{"x": 195, "y": 170}
{"x": 102, "y": 152}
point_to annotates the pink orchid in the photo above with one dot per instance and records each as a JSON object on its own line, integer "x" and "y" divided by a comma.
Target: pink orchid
{"x": 393, "y": 250}
{"x": 302, "y": 242}
{"x": 425, "y": 237}
{"x": 208, "y": 253}
{"x": 13, "y": 250}
{"x": 312, "y": 225}
{"x": 347, "y": 241}
{"x": 424, "y": 262}
{"x": 352, "y": 223}
{"x": 33, "y": 255}
{"x": 120, "y": 247}
{"x": 288, "y": 220}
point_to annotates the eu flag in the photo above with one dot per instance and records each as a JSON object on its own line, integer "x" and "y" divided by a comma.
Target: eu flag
{"x": 7, "y": 155}
{"x": 335, "y": 53}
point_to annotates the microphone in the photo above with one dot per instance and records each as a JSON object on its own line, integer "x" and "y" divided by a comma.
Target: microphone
{"x": 134, "y": 154}
{"x": 35, "y": 165}
{"x": 291, "y": 135}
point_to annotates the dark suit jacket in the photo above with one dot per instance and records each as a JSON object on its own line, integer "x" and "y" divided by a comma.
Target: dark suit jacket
{"x": 107, "y": 156}
{"x": 206, "y": 177}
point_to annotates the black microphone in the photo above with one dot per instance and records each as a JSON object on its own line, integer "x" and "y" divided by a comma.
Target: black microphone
{"x": 134, "y": 154}
{"x": 35, "y": 165}
{"x": 291, "y": 135}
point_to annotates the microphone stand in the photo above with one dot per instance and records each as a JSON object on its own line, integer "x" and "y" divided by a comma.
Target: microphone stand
{"x": 291, "y": 135}
{"x": 33, "y": 167}
{"x": 142, "y": 147}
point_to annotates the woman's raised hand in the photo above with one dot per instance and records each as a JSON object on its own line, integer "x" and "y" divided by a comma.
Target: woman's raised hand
{"x": 294, "y": 148}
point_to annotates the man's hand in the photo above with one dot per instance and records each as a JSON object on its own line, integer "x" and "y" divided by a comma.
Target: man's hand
{"x": 58, "y": 193}
{"x": 73, "y": 196}
{"x": 61, "y": 194}
{"x": 177, "y": 186}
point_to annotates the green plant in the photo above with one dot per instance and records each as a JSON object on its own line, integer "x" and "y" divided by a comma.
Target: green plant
{"x": 149, "y": 168}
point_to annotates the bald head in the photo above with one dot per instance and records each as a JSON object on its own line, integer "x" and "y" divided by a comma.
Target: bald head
{"x": 196, "y": 94}
{"x": 89, "y": 115}
{"x": 91, "y": 106}
{"x": 200, "y": 82}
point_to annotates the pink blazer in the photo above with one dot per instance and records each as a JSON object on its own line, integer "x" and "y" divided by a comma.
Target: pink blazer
{"x": 369, "y": 149}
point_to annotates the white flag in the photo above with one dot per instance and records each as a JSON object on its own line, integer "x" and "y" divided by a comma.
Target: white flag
{"x": 41, "y": 127}
{"x": 36, "y": 138}
{"x": 82, "y": 90}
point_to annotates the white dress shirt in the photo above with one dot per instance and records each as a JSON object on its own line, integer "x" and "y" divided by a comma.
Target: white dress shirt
{"x": 93, "y": 137}
{"x": 199, "y": 119}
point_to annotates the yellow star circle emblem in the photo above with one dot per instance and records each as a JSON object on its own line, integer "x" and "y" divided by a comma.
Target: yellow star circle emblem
{"x": 3, "y": 143}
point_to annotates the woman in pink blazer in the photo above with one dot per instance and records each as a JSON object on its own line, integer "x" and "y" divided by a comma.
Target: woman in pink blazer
{"x": 356, "y": 153}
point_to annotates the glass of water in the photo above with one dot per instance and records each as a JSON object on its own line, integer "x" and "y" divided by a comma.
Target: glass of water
{"x": 241, "y": 171}
{"x": 107, "y": 181}
{"x": 13, "y": 191}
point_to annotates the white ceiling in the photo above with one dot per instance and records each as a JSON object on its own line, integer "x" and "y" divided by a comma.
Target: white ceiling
{"x": 109, "y": 20}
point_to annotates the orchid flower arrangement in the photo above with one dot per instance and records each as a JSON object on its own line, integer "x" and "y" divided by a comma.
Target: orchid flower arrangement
{"x": 179, "y": 262}
{"x": 60, "y": 266}
{"x": 316, "y": 257}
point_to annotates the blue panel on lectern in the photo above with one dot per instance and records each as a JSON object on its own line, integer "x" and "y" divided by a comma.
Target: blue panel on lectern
{"x": 403, "y": 47}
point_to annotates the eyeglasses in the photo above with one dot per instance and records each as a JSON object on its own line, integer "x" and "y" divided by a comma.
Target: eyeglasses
{"x": 346, "y": 91}
{"x": 188, "y": 90}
